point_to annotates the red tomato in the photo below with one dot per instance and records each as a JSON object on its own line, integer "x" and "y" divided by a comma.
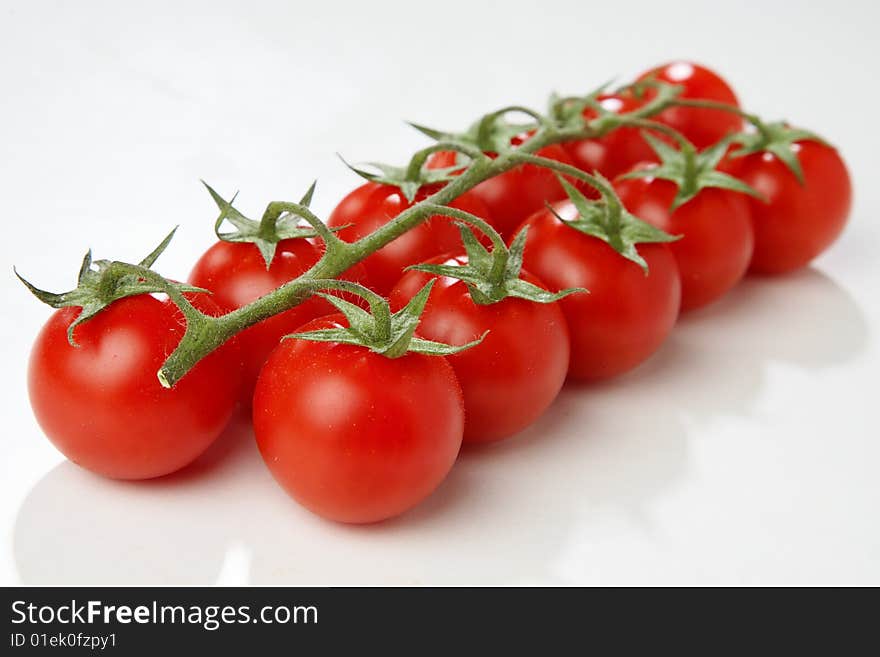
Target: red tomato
{"x": 626, "y": 316}
{"x": 515, "y": 194}
{"x": 509, "y": 379}
{"x": 236, "y": 273}
{"x": 617, "y": 151}
{"x": 799, "y": 221}
{"x": 352, "y": 435}
{"x": 703, "y": 127}
{"x": 101, "y": 403}
{"x": 716, "y": 247}
{"x": 373, "y": 205}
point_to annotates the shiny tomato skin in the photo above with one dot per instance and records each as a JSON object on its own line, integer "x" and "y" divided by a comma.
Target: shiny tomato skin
{"x": 101, "y": 404}
{"x": 617, "y": 151}
{"x": 798, "y": 222}
{"x": 373, "y": 205}
{"x": 701, "y": 126}
{"x": 513, "y": 376}
{"x": 354, "y": 436}
{"x": 517, "y": 193}
{"x": 717, "y": 240}
{"x": 626, "y": 316}
{"x": 236, "y": 274}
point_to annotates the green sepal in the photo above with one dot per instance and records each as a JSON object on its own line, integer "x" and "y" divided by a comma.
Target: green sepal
{"x": 266, "y": 233}
{"x": 403, "y": 178}
{"x": 491, "y": 133}
{"x": 100, "y": 283}
{"x": 608, "y": 220}
{"x": 492, "y": 276}
{"x": 383, "y": 332}
{"x": 776, "y": 138}
{"x": 639, "y": 89}
{"x": 567, "y": 112}
{"x": 691, "y": 171}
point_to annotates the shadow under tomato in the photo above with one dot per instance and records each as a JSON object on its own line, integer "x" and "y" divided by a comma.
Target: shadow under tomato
{"x": 75, "y": 527}
{"x": 519, "y": 511}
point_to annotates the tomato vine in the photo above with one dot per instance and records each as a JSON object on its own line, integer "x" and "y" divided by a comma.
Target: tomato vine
{"x": 564, "y": 122}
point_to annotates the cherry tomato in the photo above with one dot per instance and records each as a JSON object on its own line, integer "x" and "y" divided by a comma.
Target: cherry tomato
{"x": 373, "y": 205}
{"x": 352, "y": 435}
{"x": 716, "y": 247}
{"x": 626, "y": 316}
{"x": 703, "y": 127}
{"x": 101, "y": 404}
{"x": 515, "y": 194}
{"x": 617, "y": 151}
{"x": 510, "y": 378}
{"x": 236, "y": 273}
{"x": 798, "y": 222}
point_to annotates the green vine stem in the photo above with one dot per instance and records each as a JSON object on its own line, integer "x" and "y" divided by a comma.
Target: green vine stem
{"x": 205, "y": 333}
{"x": 688, "y": 150}
{"x": 498, "y": 265}
{"x": 561, "y": 167}
{"x": 418, "y": 160}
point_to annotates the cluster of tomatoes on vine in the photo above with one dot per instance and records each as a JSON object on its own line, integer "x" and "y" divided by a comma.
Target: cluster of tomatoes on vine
{"x": 463, "y": 328}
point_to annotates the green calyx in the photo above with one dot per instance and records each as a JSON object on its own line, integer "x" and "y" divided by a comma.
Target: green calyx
{"x": 567, "y": 113}
{"x": 101, "y": 282}
{"x": 607, "y": 220}
{"x": 776, "y": 138}
{"x": 379, "y": 330}
{"x": 411, "y": 178}
{"x": 280, "y": 221}
{"x": 492, "y": 276}
{"x": 639, "y": 88}
{"x": 492, "y": 133}
{"x": 689, "y": 170}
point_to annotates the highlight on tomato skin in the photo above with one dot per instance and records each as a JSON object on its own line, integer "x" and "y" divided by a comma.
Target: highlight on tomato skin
{"x": 717, "y": 240}
{"x": 798, "y": 222}
{"x": 101, "y": 403}
{"x": 626, "y": 316}
{"x": 511, "y": 378}
{"x": 702, "y": 127}
{"x": 372, "y": 205}
{"x": 352, "y": 435}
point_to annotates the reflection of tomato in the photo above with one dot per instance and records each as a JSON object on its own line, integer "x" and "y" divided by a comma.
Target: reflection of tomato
{"x": 617, "y": 151}
{"x": 626, "y": 316}
{"x": 517, "y": 193}
{"x": 101, "y": 404}
{"x": 701, "y": 126}
{"x": 717, "y": 238}
{"x": 510, "y": 378}
{"x": 373, "y": 205}
{"x": 798, "y": 222}
{"x": 352, "y": 435}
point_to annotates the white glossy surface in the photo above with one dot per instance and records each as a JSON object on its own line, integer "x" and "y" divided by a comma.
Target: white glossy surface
{"x": 746, "y": 451}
